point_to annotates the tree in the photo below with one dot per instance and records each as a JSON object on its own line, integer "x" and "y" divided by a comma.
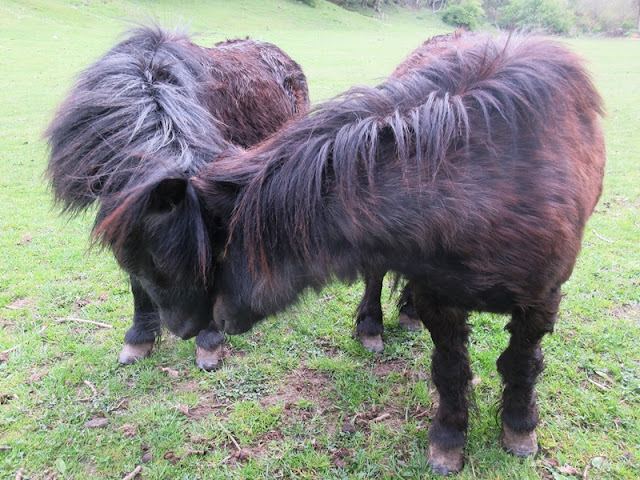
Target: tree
{"x": 466, "y": 14}
{"x": 550, "y": 15}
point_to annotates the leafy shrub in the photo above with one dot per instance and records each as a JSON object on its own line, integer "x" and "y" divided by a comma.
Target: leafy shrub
{"x": 550, "y": 15}
{"x": 310, "y": 3}
{"x": 463, "y": 15}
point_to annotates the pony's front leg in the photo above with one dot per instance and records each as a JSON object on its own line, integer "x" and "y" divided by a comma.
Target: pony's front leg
{"x": 209, "y": 348}
{"x": 141, "y": 337}
{"x": 520, "y": 364}
{"x": 369, "y": 315}
{"x": 451, "y": 373}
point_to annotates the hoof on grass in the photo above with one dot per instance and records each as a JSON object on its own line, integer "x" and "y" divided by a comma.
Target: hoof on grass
{"x": 208, "y": 359}
{"x": 445, "y": 462}
{"x": 519, "y": 444}
{"x": 373, "y": 343}
{"x": 132, "y": 353}
{"x": 413, "y": 324}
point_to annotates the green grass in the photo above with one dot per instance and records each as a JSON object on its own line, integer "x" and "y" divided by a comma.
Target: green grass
{"x": 287, "y": 388}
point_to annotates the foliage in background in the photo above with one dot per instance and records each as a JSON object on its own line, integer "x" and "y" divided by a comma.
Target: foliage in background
{"x": 466, "y": 14}
{"x": 610, "y": 17}
{"x": 547, "y": 15}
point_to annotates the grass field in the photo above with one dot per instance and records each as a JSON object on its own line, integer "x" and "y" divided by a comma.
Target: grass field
{"x": 279, "y": 405}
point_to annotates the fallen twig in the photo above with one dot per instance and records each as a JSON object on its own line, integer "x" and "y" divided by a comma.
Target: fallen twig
{"x": 118, "y": 405}
{"x": 133, "y": 474}
{"x": 599, "y": 385}
{"x": 422, "y": 414}
{"x": 81, "y": 320}
{"x": 384, "y": 416}
{"x": 93, "y": 389}
{"x": 602, "y": 238}
{"x": 9, "y": 350}
{"x": 233, "y": 440}
{"x": 5, "y": 447}
{"x": 327, "y": 298}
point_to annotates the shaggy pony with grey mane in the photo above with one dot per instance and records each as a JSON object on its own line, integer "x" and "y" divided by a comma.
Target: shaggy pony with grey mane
{"x": 157, "y": 104}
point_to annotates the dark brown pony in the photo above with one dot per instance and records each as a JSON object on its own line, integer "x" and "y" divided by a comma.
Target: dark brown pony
{"x": 472, "y": 174}
{"x": 157, "y": 104}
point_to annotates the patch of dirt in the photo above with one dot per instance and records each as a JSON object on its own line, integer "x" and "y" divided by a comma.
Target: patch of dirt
{"x": 326, "y": 346}
{"x": 629, "y": 312}
{"x": 99, "y": 422}
{"x": 80, "y": 303}
{"x": 385, "y": 367}
{"x": 206, "y": 406}
{"x": 302, "y": 384}
{"x": 7, "y": 397}
{"x": 19, "y": 304}
{"x": 340, "y": 457}
{"x": 129, "y": 430}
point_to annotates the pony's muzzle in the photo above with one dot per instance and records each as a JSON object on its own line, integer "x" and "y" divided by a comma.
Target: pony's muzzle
{"x": 231, "y": 318}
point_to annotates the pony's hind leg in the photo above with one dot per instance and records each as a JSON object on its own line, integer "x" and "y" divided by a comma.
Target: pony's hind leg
{"x": 520, "y": 364}
{"x": 369, "y": 315}
{"x": 408, "y": 317}
{"x": 141, "y": 337}
{"x": 451, "y": 373}
{"x": 209, "y": 348}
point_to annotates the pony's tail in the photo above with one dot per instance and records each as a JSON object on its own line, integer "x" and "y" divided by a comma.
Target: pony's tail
{"x": 140, "y": 104}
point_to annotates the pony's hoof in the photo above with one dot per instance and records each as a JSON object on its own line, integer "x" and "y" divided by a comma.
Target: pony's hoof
{"x": 373, "y": 343}
{"x": 444, "y": 462}
{"x": 519, "y": 444}
{"x": 208, "y": 359}
{"x": 132, "y": 353}
{"x": 413, "y": 324}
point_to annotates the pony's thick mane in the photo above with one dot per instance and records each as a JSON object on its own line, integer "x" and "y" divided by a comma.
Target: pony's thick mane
{"x": 140, "y": 106}
{"x": 413, "y": 123}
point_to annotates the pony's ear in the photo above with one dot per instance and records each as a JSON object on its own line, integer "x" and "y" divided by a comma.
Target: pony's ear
{"x": 167, "y": 194}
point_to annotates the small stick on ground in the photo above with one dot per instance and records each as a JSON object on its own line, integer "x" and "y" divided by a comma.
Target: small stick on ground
{"x": 602, "y": 238}
{"x": 599, "y": 385}
{"x": 5, "y": 447}
{"x": 384, "y": 416}
{"x": 93, "y": 389}
{"x": 233, "y": 440}
{"x": 133, "y": 474}
{"x": 9, "y": 350}
{"x": 81, "y": 320}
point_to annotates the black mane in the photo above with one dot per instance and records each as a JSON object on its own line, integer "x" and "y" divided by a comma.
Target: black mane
{"x": 425, "y": 118}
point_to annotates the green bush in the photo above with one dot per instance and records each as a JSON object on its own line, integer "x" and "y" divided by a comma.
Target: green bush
{"x": 463, "y": 15}
{"x": 310, "y": 3}
{"x": 551, "y": 15}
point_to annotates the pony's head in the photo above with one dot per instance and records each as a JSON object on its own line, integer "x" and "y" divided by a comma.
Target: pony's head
{"x": 159, "y": 234}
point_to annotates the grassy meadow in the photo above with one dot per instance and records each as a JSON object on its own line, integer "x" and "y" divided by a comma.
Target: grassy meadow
{"x": 297, "y": 397}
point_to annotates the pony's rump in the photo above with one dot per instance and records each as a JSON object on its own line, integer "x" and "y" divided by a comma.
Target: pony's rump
{"x": 142, "y": 104}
